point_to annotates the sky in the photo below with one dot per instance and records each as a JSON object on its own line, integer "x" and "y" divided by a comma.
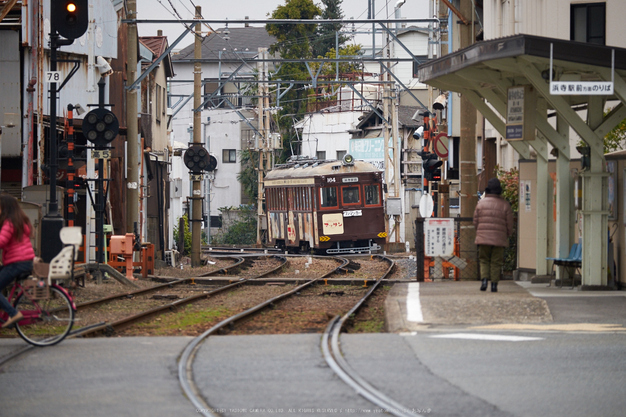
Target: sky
{"x": 254, "y": 9}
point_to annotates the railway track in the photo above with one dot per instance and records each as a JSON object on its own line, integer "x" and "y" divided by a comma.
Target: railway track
{"x": 109, "y": 328}
{"x": 330, "y": 348}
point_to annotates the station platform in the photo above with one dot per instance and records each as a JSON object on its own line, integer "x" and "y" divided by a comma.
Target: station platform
{"x": 413, "y": 306}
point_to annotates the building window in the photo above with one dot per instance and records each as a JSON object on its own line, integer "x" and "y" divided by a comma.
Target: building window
{"x": 340, "y": 155}
{"x": 216, "y": 221}
{"x": 420, "y": 60}
{"x": 588, "y": 23}
{"x": 229, "y": 156}
{"x": 321, "y": 155}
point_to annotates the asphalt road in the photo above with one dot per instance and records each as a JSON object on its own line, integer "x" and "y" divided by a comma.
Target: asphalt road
{"x": 575, "y": 366}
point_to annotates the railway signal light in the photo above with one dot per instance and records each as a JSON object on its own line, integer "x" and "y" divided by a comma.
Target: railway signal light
{"x": 198, "y": 159}
{"x": 100, "y": 126}
{"x": 431, "y": 166}
{"x": 70, "y": 18}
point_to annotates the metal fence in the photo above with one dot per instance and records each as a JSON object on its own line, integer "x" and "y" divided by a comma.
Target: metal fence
{"x": 462, "y": 265}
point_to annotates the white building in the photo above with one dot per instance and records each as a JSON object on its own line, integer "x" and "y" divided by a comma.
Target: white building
{"x": 229, "y": 113}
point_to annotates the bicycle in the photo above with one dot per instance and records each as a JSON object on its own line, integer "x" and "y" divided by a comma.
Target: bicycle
{"x": 47, "y": 307}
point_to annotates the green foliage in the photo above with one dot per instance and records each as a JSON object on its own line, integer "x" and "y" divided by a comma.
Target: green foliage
{"x": 510, "y": 186}
{"x": 186, "y": 234}
{"x": 326, "y": 40}
{"x": 616, "y": 138}
{"x": 242, "y": 232}
{"x": 248, "y": 177}
{"x": 510, "y": 191}
{"x": 330, "y": 68}
{"x": 293, "y": 41}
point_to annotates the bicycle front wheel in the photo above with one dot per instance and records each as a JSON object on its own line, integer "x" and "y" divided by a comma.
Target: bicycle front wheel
{"x": 46, "y": 322}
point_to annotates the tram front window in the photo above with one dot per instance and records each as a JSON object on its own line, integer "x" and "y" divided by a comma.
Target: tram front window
{"x": 350, "y": 195}
{"x": 328, "y": 197}
{"x": 372, "y": 195}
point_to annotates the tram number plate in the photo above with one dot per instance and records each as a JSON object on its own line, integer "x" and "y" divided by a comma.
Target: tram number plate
{"x": 100, "y": 154}
{"x": 352, "y": 213}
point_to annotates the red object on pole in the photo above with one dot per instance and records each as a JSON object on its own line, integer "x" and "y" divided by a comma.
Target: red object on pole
{"x": 70, "y": 166}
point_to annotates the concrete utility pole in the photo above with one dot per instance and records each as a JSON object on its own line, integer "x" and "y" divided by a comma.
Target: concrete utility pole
{"x": 196, "y": 209}
{"x": 265, "y": 145}
{"x": 132, "y": 125}
{"x": 467, "y": 160}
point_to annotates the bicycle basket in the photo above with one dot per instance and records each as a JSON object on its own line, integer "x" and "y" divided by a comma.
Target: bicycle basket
{"x": 36, "y": 289}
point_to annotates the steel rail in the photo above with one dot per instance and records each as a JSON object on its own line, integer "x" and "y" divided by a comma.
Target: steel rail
{"x": 109, "y": 328}
{"x": 331, "y": 349}
{"x": 185, "y": 364}
{"x": 145, "y": 290}
{"x": 131, "y": 294}
{"x": 224, "y": 271}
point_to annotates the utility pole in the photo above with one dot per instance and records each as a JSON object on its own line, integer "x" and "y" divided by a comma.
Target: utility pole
{"x": 469, "y": 183}
{"x": 265, "y": 145}
{"x": 196, "y": 198}
{"x": 468, "y": 197}
{"x": 132, "y": 125}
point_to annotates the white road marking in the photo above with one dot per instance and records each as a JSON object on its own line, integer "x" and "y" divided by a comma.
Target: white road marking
{"x": 478, "y": 336}
{"x": 413, "y": 305}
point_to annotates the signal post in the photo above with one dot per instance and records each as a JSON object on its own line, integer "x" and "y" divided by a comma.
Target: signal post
{"x": 68, "y": 20}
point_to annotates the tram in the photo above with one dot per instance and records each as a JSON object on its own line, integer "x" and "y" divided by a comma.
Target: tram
{"x": 325, "y": 206}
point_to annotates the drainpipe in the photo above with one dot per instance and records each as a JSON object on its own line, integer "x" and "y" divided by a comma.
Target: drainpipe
{"x": 398, "y": 14}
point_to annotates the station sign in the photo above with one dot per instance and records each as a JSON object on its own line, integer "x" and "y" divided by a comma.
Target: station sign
{"x": 583, "y": 88}
{"x": 586, "y": 88}
{"x": 521, "y": 110}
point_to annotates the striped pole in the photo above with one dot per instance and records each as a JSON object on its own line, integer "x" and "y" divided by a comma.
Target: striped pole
{"x": 70, "y": 166}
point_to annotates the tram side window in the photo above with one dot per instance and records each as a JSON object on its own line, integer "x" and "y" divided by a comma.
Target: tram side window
{"x": 328, "y": 197}
{"x": 299, "y": 204}
{"x": 307, "y": 199}
{"x": 350, "y": 195}
{"x": 281, "y": 198}
{"x": 372, "y": 195}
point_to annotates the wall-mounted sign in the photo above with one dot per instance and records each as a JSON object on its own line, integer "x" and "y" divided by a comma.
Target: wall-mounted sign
{"x": 520, "y": 113}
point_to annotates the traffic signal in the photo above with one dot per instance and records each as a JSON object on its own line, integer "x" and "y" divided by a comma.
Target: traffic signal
{"x": 198, "y": 159}
{"x": 100, "y": 126}
{"x": 70, "y": 18}
{"x": 430, "y": 165}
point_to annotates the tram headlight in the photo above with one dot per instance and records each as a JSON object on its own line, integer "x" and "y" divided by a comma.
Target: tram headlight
{"x": 348, "y": 159}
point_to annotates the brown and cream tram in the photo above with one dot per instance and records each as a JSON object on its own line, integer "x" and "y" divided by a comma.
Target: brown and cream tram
{"x": 328, "y": 206}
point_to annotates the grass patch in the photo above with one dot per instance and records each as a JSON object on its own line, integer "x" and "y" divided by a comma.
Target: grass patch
{"x": 374, "y": 325}
{"x": 185, "y": 317}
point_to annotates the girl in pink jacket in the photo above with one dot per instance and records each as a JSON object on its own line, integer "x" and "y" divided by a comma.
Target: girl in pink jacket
{"x": 17, "y": 251}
